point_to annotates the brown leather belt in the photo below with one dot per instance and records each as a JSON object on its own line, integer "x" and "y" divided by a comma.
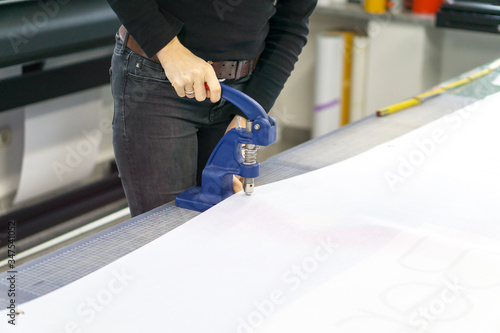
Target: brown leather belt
{"x": 231, "y": 70}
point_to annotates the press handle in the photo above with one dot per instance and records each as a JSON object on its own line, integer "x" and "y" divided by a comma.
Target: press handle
{"x": 242, "y": 101}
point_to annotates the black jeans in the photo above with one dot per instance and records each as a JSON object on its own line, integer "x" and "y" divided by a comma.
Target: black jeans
{"x": 161, "y": 141}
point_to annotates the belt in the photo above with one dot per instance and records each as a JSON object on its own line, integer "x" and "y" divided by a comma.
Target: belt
{"x": 231, "y": 70}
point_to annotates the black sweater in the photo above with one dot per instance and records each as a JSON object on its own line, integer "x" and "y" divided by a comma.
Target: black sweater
{"x": 226, "y": 30}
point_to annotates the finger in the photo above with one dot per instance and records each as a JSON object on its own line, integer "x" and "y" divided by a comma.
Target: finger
{"x": 189, "y": 91}
{"x": 237, "y": 185}
{"x": 213, "y": 85}
{"x": 199, "y": 87}
{"x": 179, "y": 89}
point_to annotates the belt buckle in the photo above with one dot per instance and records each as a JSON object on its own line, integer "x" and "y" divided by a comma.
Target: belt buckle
{"x": 237, "y": 71}
{"x": 243, "y": 68}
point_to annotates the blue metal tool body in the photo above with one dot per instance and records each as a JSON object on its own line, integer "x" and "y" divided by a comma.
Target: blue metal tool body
{"x": 226, "y": 159}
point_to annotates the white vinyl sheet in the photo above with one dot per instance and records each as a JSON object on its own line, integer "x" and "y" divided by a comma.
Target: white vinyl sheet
{"x": 402, "y": 238}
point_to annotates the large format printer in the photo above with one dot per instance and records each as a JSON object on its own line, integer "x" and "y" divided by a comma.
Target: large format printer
{"x": 56, "y": 157}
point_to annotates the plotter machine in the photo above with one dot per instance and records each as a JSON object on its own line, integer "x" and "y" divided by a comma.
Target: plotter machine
{"x": 55, "y": 115}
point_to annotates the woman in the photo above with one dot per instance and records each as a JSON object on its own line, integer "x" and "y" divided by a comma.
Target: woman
{"x": 166, "y": 122}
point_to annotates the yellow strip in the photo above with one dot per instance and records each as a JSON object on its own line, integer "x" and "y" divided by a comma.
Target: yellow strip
{"x": 346, "y": 84}
{"x": 456, "y": 83}
{"x": 398, "y": 107}
{"x": 428, "y": 94}
{"x": 480, "y": 73}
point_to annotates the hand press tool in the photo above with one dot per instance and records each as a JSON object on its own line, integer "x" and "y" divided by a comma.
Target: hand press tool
{"x": 227, "y": 158}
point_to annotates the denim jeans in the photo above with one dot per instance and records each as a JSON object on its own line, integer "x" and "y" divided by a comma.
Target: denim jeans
{"x": 161, "y": 141}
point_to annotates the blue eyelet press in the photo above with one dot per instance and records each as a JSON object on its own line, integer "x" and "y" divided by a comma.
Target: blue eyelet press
{"x": 227, "y": 158}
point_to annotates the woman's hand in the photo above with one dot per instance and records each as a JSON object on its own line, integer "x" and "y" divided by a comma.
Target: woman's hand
{"x": 238, "y": 183}
{"x": 188, "y": 73}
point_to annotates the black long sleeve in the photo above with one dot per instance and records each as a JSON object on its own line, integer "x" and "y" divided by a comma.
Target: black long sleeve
{"x": 226, "y": 30}
{"x": 150, "y": 27}
{"x": 287, "y": 36}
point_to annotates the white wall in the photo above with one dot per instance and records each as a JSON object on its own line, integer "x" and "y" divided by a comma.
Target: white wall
{"x": 465, "y": 50}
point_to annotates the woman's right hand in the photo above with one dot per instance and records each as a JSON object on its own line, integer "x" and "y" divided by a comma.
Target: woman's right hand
{"x": 188, "y": 73}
